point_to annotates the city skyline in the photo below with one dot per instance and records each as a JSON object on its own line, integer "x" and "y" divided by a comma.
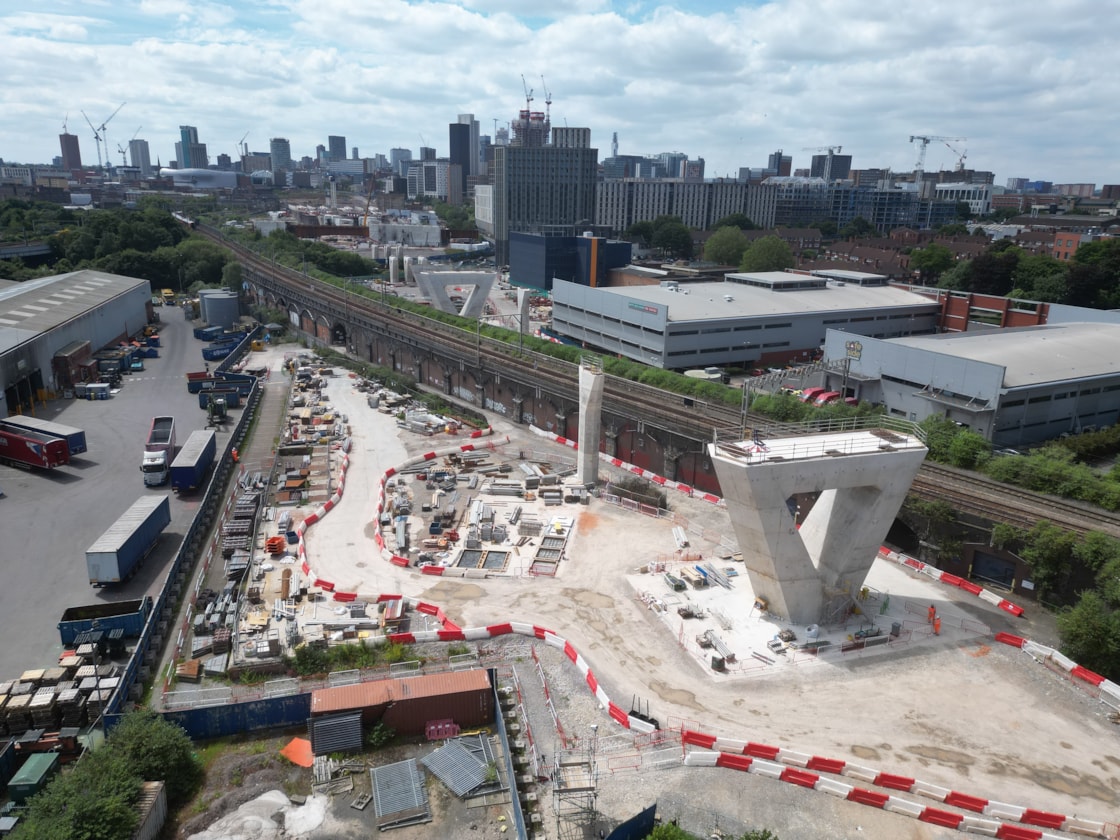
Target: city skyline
{"x": 727, "y": 82}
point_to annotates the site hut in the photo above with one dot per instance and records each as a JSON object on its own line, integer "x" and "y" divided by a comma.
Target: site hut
{"x": 748, "y": 320}
{"x": 51, "y": 327}
{"x": 1015, "y": 386}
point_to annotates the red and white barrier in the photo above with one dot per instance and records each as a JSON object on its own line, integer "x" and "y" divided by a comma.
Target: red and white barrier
{"x": 953, "y": 580}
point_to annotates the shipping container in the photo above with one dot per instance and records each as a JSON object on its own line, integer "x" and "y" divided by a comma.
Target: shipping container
{"x": 32, "y": 777}
{"x": 152, "y": 806}
{"x": 116, "y": 553}
{"x": 129, "y": 616}
{"x": 406, "y": 704}
{"x": 231, "y": 395}
{"x": 75, "y": 438}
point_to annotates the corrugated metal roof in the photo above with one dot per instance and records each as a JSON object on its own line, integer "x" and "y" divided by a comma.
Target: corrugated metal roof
{"x": 335, "y": 733}
{"x": 37, "y": 306}
{"x": 380, "y": 692}
{"x": 399, "y": 797}
{"x": 456, "y": 767}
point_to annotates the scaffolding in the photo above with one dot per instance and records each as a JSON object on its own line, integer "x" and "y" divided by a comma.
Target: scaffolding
{"x": 575, "y": 778}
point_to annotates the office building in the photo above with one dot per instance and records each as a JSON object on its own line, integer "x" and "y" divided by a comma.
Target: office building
{"x": 71, "y": 153}
{"x": 188, "y": 151}
{"x": 621, "y": 202}
{"x": 459, "y": 142}
{"x": 537, "y": 260}
{"x": 399, "y": 160}
{"x": 780, "y": 164}
{"x": 140, "y": 156}
{"x": 830, "y": 167}
{"x": 540, "y": 188}
{"x": 427, "y": 153}
{"x": 336, "y": 147}
{"x": 281, "y": 152}
{"x": 564, "y": 137}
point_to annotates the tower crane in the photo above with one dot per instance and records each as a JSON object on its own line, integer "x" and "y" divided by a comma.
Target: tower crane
{"x": 925, "y": 140}
{"x": 528, "y": 92}
{"x": 547, "y": 99}
{"x": 104, "y": 137}
{"x": 961, "y": 155}
{"x": 242, "y": 149}
{"x": 96, "y": 139}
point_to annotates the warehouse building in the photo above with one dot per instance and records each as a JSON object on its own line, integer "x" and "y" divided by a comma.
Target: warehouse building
{"x": 51, "y": 326}
{"x": 751, "y": 319}
{"x": 1014, "y": 386}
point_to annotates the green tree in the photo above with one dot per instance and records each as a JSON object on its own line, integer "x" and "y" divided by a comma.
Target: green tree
{"x": 726, "y": 246}
{"x": 670, "y": 831}
{"x": 157, "y": 750}
{"x": 739, "y": 220}
{"x": 857, "y": 227}
{"x": 955, "y": 229}
{"x": 673, "y": 238}
{"x": 231, "y": 276}
{"x": 827, "y": 227}
{"x": 958, "y": 278}
{"x": 1048, "y": 549}
{"x": 931, "y": 261}
{"x": 769, "y": 253}
{"x": 641, "y": 233}
{"x": 1090, "y": 634}
{"x": 964, "y": 211}
{"x": 993, "y": 272}
{"x": 968, "y": 449}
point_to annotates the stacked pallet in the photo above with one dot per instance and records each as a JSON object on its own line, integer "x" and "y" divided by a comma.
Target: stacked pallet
{"x": 71, "y": 707}
{"x": 189, "y": 671}
{"x": 16, "y": 716}
{"x": 44, "y": 714}
{"x": 223, "y": 639}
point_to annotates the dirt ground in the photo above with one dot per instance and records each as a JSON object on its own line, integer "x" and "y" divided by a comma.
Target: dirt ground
{"x": 958, "y": 711}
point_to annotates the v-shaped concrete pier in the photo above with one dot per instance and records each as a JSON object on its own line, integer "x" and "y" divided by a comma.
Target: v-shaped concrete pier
{"x": 862, "y": 478}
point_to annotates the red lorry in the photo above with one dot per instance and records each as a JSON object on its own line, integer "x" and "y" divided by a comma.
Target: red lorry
{"x": 32, "y": 449}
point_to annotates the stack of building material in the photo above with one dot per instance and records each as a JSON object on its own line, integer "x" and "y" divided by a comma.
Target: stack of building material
{"x": 44, "y": 713}
{"x": 223, "y": 638}
{"x": 71, "y": 707}
{"x": 275, "y": 545}
{"x": 246, "y": 506}
{"x": 236, "y": 535}
{"x": 16, "y": 715}
{"x": 189, "y": 671}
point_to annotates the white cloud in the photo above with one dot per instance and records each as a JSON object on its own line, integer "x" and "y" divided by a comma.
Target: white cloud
{"x": 1017, "y": 79}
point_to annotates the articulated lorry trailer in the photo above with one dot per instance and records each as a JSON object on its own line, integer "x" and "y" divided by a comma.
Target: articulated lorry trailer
{"x": 158, "y": 451}
{"x": 120, "y": 550}
{"x": 31, "y": 449}
{"x": 75, "y": 438}
{"x": 189, "y": 468}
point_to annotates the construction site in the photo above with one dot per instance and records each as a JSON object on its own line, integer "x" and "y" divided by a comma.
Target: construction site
{"x": 646, "y": 647}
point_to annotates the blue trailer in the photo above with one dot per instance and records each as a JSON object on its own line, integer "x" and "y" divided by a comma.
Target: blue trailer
{"x": 129, "y": 616}
{"x": 217, "y": 352}
{"x": 231, "y": 395}
{"x": 75, "y": 438}
{"x": 116, "y": 554}
{"x": 190, "y": 466}
{"x": 243, "y": 382}
{"x": 207, "y": 333}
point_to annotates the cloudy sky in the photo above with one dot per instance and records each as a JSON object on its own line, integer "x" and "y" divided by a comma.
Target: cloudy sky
{"x": 1027, "y": 82}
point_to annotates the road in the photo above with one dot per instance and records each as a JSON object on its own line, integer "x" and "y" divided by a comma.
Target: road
{"x": 49, "y": 519}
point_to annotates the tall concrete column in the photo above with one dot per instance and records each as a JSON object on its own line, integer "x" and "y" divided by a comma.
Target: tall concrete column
{"x": 590, "y": 418}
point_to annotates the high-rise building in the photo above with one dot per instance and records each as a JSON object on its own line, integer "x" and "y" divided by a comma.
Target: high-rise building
{"x": 281, "y": 152}
{"x": 831, "y": 167}
{"x": 780, "y": 164}
{"x": 353, "y": 153}
{"x": 427, "y": 153}
{"x": 140, "y": 156}
{"x": 188, "y": 151}
{"x": 622, "y": 202}
{"x": 473, "y": 154}
{"x": 564, "y": 137}
{"x": 336, "y": 147}
{"x": 71, "y": 154}
{"x": 459, "y": 140}
{"x": 398, "y": 160}
{"x": 540, "y": 189}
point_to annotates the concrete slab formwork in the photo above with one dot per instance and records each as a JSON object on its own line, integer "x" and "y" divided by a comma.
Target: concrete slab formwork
{"x": 800, "y": 569}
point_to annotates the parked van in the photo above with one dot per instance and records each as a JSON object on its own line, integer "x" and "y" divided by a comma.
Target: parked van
{"x": 826, "y": 398}
{"x": 810, "y": 394}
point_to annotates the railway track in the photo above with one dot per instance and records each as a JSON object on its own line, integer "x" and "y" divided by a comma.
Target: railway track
{"x": 696, "y": 419}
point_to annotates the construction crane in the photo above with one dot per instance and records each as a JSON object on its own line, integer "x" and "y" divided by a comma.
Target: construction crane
{"x": 961, "y": 155}
{"x": 547, "y": 99}
{"x": 528, "y": 92}
{"x": 104, "y": 137}
{"x": 830, "y": 150}
{"x": 925, "y": 140}
{"x": 123, "y": 151}
{"x": 96, "y": 139}
{"x": 242, "y": 149}
{"x": 64, "y": 121}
